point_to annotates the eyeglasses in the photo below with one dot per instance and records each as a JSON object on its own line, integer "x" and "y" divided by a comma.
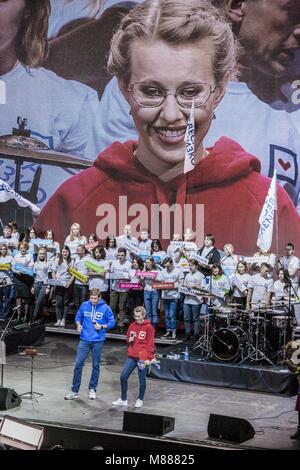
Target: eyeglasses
{"x": 149, "y": 95}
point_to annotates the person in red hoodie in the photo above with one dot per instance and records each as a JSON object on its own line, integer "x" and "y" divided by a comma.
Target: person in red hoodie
{"x": 168, "y": 55}
{"x": 140, "y": 339}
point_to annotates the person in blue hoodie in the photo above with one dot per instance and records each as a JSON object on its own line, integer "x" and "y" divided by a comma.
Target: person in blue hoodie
{"x": 93, "y": 318}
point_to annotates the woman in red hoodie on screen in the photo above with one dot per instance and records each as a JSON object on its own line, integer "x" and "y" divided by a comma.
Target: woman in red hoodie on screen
{"x": 168, "y": 54}
{"x": 140, "y": 339}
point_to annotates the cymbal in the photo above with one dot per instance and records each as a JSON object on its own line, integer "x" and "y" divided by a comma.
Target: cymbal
{"x": 46, "y": 157}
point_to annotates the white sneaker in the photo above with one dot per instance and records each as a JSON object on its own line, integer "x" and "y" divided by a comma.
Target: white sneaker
{"x": 57, "y": 323}
{"x": 71, "y": 396}
{"x": 173, "y": 335}
{"x": 92, "y": 394}
{"x": 63, "y": 323}
{"x": 139, "y": 403}
{"x": 120, "y": 402}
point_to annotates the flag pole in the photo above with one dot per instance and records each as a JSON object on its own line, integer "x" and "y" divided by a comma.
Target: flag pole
{"x": 276, "y": 233}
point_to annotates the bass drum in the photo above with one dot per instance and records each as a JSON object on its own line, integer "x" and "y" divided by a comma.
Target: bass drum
{"x": 228, "y": 344}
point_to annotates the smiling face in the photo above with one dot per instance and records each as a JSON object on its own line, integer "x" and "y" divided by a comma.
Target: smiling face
{"x": 3, "y": 250}
{"x": 162, "y": 129}
{"x": 270, "y": 33}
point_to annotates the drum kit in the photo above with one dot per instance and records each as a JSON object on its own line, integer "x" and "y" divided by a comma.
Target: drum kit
{"x": 259, "y": 335}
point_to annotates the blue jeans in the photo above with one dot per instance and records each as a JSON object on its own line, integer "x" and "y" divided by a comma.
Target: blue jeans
{"x": 170, "y": 313}
{"x": 127, "y": 370}
{"x": 151, "y": 299}
{"x": 83, "y": 350}
{"x": 191, "y": 314}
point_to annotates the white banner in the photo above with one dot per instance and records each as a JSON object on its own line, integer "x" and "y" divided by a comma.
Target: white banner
{"x": 237, "y": 283}
{"x": 7, "y": 193}
{"x": 189, "y": 138}
{"x": 255, "y": 259}
{"x": 266, "y": 219}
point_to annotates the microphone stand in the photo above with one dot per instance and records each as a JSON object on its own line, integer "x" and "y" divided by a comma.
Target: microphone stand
{"x": 2, "y": 343}
{"x": 289, "y": 311}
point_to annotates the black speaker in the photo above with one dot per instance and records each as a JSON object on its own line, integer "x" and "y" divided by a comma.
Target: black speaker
{"x": 229, "y": 428}
{"x": 9, "y": 398}
{"x": 147, "y": 424}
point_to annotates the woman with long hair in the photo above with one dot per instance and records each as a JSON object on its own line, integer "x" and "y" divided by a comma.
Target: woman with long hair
{"x": 40, "y": 288}
{"x": 63, "y": 292}
{"x": 23, "y": 281}
{"x": 74, "y": 239}
{"x": 6, "y": 284}
{"x": 239, "y": 282}
{"x": 151, "y": 295}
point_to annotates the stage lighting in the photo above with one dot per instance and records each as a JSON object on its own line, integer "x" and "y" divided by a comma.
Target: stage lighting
{"x": 21, "y": 434}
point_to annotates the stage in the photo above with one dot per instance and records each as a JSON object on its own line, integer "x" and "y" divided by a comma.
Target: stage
{"x": 272, "y": 416}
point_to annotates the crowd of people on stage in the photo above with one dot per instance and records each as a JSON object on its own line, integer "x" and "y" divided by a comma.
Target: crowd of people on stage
{"x": 185, "y": 281}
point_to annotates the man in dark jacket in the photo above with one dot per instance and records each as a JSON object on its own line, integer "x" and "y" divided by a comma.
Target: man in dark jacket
{"x": 93, "y": 318}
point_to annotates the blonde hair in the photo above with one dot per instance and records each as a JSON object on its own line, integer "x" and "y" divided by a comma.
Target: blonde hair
{"x": 176, "y": 22}
{"x": 228, "y": 244}
{"x": 71, "y": 236}
{"x": 141, "y": 310}
{"x": 31, "y": 40}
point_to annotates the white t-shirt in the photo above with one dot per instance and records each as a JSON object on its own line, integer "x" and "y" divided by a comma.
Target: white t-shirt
{"x": 99, "y": 282}
{"x": 191, "y": 280}
{"x": 279, "y": 290}
{"x": 41, "y": 269}
{"x": 120, "y": 269}
{"x": 59, "y": 112}
{"x": 79, "y": 265}
{"x": 273, "y": 135}
{"x": 261, "y": 286}
{"x": 63, "y": 12}
{"x": 53, "y": 251}
{"x": 4, "y": 274}
{"x": 111, "y": 254}
{"x": 73, "y": 244}
{"x": 159, "y": 257}
{"x": 290, "y": 262}
{"x": 26, "y": 259}
{"x": 145, "y": 248}
{"x": 61, "y": 271}
{"x": 244, "y": 280}
{"x": 176, "y": 276}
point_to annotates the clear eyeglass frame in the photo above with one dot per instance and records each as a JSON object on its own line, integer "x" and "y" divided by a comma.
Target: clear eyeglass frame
{"x": 155, "y": 101}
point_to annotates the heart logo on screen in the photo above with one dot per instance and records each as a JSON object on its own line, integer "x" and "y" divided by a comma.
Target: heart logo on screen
{"x": 284, "y": 165}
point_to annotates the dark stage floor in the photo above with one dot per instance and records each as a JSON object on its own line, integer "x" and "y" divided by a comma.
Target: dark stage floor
{"x": 272, "y": 416}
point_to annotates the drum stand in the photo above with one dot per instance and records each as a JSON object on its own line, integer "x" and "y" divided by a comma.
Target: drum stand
{"x": 203, "y": 342}
{"x": 254, "y": 353}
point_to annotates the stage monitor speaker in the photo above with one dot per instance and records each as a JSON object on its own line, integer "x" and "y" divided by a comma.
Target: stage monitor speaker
{"x": 229, "y": 428}
{"x": 147, "y": 424}
{"x": 9, "y": 398}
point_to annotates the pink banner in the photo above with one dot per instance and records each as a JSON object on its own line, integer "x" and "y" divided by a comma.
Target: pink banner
{"x": 145, "y": 274}
{"x": 163, "y": 285}
{"x": 129, "y": 285}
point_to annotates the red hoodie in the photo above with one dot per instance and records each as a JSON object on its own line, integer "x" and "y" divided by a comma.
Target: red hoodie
{"x": 227, "y": 182}
{"x": 142, "y": 347}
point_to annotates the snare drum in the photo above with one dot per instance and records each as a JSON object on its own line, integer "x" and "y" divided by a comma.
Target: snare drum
{"x": 228, "y": 344}
{"x": 225, "y": 317}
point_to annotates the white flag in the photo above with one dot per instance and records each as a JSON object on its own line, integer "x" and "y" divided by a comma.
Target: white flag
{"x": 266, "y": 219}
{"x": 189, "y": 157}
{"x": 7, "y": 193}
